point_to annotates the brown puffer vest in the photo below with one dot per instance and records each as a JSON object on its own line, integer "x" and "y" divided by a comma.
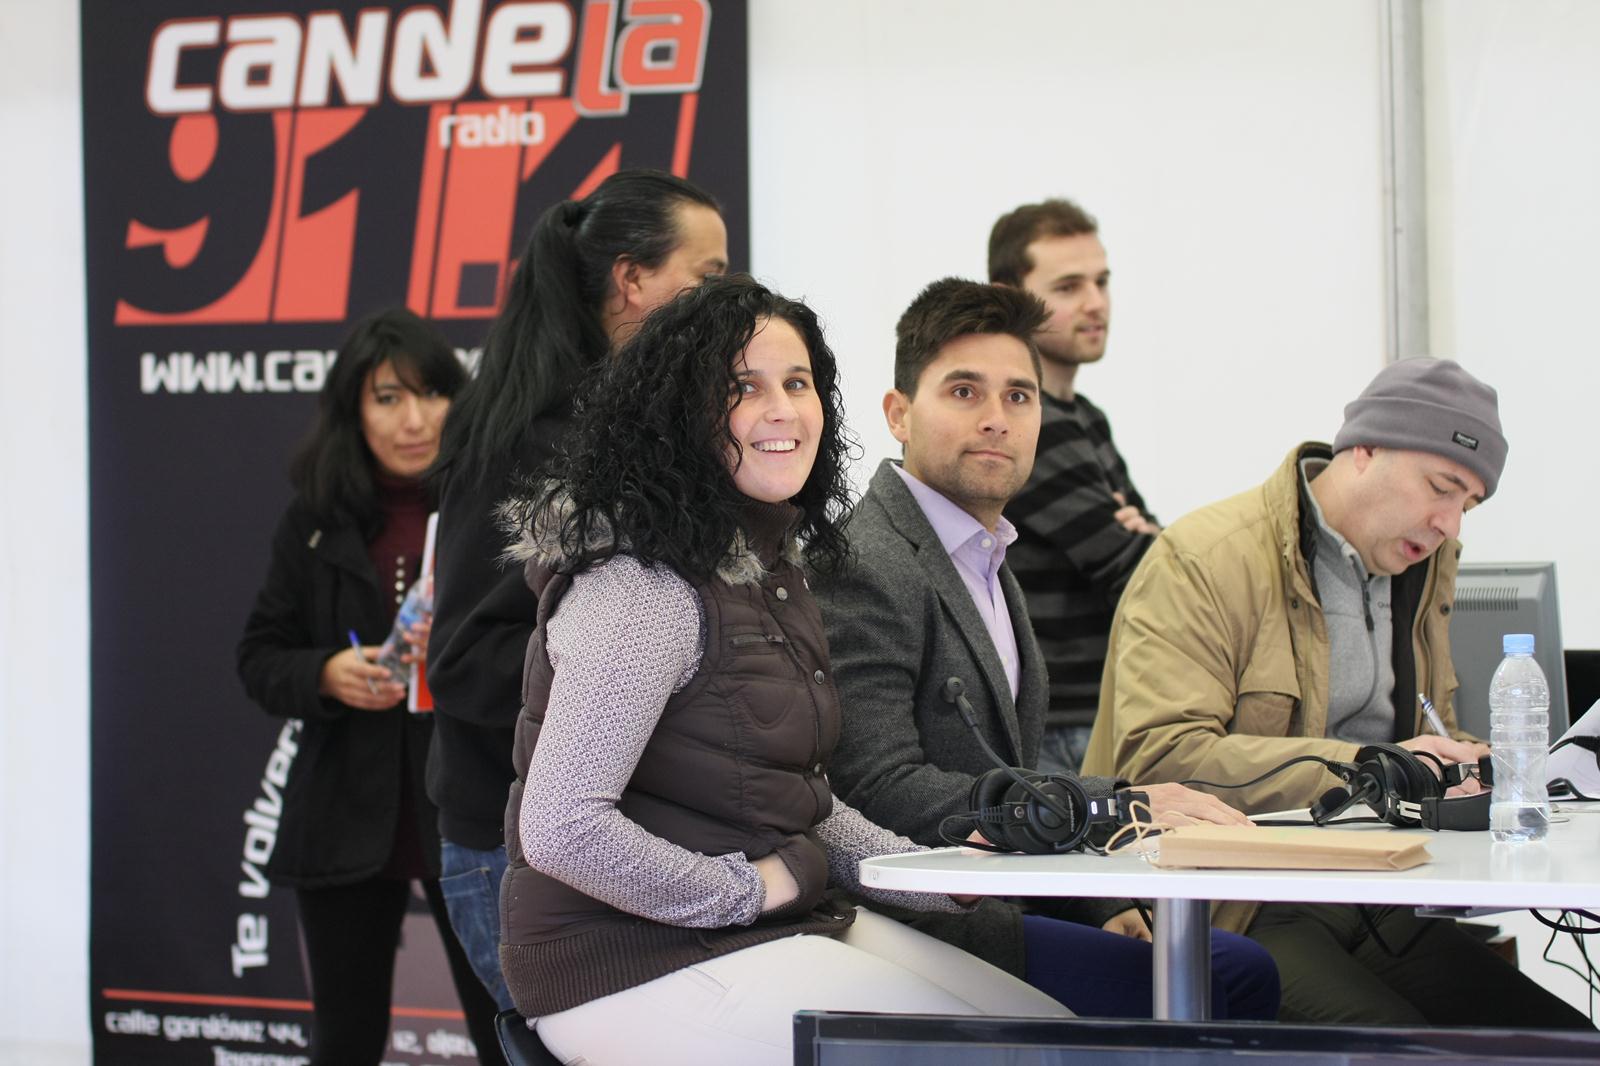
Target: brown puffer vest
{"x": 736, "y": 764}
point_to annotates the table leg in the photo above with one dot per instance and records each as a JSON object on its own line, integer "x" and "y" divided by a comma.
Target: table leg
{"x": 1183, "y": 960}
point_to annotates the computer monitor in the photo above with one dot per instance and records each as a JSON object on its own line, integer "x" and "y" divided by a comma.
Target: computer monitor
{"x": 837, "y": 1039}
{"x": 1493, "y": 599}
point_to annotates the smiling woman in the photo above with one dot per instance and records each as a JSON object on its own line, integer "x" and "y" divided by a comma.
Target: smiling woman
{"x": 729, "y": 394}
{"x": 674, "y": 828}
{"x": 777, "y": 416}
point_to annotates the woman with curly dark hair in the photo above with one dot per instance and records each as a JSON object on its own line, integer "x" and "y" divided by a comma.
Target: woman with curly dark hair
{"x": 672, "y": 833}
{"x": 592, "y": 269}
{"x": 357, "y": 828}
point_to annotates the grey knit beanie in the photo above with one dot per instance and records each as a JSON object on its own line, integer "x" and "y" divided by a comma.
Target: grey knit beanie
{"x": 1429, "y": 405}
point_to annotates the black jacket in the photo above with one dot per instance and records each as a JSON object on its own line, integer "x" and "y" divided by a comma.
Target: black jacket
{"x": 483, "y": 615}
{"x": 345, "y": 786}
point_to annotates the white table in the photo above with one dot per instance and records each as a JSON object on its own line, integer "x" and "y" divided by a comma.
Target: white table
{"x": 1468, "y": 873}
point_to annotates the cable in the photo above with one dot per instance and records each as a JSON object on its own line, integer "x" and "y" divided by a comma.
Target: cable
{"x": 1569, "y": 790}
{"x": 949, "y": 836}
{"x": 1583, "y": 952}
{"x": 1142, "y": 825}
{"x": 1575, "y": 930}
{"x": 1589, "y": 978}
{"x": 1365, "y": 819}
{"x": 954, "y": 693}
{"x": 1549, "y": 946}
{"x": 1338, "y": 769}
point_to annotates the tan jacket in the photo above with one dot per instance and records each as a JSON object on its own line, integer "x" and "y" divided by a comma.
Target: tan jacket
{"x": 1218, "y": 662}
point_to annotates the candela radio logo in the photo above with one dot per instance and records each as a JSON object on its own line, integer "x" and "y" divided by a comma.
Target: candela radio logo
{"x": 277, "y": 61}
{"x": 500, "y": 87}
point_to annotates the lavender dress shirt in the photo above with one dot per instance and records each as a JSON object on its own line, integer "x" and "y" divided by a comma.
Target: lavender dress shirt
{"x": 977, "y": 555}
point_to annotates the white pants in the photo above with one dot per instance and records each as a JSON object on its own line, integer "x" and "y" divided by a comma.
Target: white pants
{"x": 739, "y": 1009}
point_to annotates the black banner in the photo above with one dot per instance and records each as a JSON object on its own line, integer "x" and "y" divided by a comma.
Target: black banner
{"x": 258, "y": 176}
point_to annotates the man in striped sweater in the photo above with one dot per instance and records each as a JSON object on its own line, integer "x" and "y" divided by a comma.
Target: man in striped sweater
{"x": 1082, "y": 525}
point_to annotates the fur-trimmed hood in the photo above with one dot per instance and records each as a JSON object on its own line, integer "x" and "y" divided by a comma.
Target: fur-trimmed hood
{"x": 533, "y": 530}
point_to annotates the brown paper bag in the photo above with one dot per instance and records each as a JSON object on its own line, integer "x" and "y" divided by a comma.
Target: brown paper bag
{"x": 1278, "y": 848}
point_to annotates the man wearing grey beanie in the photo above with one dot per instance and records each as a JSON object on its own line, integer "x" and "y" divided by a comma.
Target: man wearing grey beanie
{"x": 1309, "y": 616}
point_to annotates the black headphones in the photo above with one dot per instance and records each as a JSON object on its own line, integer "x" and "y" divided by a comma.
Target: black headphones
{"x": 1402, "y": 790}
{"x": 1038, "y": 814}
{"x": 1041, "y": 814}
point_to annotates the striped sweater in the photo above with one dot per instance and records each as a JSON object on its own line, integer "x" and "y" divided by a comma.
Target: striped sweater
{"x": 1072, "y": 558}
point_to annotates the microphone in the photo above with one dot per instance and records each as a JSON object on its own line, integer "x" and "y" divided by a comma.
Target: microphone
{"x": 1363, "y": 788}
{"x": 955, "y": 693}
{"x": 1331, "y": 804}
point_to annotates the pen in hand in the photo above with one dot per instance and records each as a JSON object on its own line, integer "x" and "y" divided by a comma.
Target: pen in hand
{"x": 1434, "y": 721}
{"x": 355, "y": 642}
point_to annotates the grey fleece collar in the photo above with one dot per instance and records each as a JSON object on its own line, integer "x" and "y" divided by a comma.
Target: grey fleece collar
{"x": 539, "y": 541}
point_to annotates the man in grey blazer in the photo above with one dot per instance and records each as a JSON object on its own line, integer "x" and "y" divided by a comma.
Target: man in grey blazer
{"x": 928, "y": 597}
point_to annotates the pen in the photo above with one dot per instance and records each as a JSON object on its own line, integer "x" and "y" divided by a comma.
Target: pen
{"x": 355, "y": 642}
{"x": 1434, "y": 721}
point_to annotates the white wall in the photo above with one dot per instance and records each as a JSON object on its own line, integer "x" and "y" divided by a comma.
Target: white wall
{"x": 1231, "y": 152}
{"x": 1514, "y": 224}
{"x": 1229, "y": 148}
{"x": 44, "y": 628}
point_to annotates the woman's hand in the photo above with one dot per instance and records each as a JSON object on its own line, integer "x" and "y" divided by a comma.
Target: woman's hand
{"x": 778, "y": 882}
{"x": 1201, "y": 806}
{"x": 1128, "y": 923}
{"x": 353, "y": 679}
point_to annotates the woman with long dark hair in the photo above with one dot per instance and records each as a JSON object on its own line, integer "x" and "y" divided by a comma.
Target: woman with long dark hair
{"x": 674, "y": 827}
{"x": 592, "y": 269}
{"x": 357, "y": 828}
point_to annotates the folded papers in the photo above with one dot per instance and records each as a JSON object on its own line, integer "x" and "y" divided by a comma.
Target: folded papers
{"x": 1276, "y": 848}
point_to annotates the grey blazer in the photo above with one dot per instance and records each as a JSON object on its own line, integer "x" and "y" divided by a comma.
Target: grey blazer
{"x": 900, "y": 623}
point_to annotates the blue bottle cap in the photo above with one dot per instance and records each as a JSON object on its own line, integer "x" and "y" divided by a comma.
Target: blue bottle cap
{"x": 1517, "y": 644}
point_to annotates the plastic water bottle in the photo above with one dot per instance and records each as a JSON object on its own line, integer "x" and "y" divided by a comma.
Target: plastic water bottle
{"x": 417, "y": 605}
{"x": 1519, "y": 742}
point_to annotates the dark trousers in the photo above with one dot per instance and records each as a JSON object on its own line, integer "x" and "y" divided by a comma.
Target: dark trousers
{"x": 1107, "y": 975}
{"x": 351, "y": 935}
{"x": 1334, "y": 971}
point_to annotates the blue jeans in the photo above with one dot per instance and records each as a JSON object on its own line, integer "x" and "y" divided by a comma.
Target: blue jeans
{"x": 1107, "y": 975}
{"x": 470, "y": 880}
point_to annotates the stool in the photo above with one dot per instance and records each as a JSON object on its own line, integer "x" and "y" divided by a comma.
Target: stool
{"x": 521, "y": 1045}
